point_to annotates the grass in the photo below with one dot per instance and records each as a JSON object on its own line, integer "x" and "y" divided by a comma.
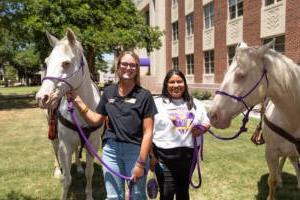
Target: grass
{"x": 7, "y": 91}
{"x": 231, "y": 170}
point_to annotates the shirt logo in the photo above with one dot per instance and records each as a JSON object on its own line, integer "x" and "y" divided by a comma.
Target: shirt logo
{"x": 130, "y": 100}
{"x": 111, "y": 100}
{"x": 182, "y": 120}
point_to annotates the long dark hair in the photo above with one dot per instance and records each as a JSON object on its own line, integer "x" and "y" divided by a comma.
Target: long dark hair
{"x": 185, "y": 96}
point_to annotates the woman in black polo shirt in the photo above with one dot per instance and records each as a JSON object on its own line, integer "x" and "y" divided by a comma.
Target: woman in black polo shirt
{"x": 128, "y": 136}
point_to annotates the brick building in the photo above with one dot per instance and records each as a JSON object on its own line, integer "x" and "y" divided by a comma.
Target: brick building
{"x": 201, "y": 35}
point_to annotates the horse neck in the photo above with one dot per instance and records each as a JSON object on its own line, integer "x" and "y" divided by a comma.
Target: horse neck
{"x": 87, "y": 91}
{"x": 284, "y": 90}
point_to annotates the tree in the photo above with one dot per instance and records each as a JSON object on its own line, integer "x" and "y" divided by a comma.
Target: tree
{"x": 103, "y": 26}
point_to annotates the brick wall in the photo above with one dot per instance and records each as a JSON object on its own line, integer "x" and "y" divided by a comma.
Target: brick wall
{"x": 292, "y": 36}
{"x": 168, "y": 35}
{"x": 181, "y": 36}
{"x": 251, "y": 26}
{"x": 198, "y": 46}
{"x": 220, "y": 49}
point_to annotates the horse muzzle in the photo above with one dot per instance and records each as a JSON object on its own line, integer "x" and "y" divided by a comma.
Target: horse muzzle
{"x": 218, "y": 119}
{"x": 47, "y": 101}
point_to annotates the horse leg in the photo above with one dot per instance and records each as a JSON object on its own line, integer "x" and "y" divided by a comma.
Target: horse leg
{"x": 273, "y": 164}
{"x": 89, "y": 171}
{"x": 79, "y": 167}
{"x": 295, "y": 162}
{"x": 281, "y": 164}
{"x": 57, "y": 170}
{"x": 65, "y": 158}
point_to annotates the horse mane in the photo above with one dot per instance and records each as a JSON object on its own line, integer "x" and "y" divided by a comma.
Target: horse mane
{"x": 287, "y": 73}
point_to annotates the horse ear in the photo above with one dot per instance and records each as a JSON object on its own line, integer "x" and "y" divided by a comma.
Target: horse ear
{"x": 263, "y": 49}
{"x": 52, "y": 40}
{"x": 242, "y": 45}
{"x": 71, "y": 37}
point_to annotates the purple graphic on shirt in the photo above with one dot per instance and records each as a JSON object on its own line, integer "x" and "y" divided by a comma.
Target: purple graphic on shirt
{"x": 182, "y": 120}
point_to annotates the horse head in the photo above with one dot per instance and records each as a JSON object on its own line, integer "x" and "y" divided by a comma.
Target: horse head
{"x": 244, "y": 85}
{"x": 65, "y": 70}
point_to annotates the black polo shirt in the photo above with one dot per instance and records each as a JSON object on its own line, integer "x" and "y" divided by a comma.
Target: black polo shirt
{"x": 126, "y": 113}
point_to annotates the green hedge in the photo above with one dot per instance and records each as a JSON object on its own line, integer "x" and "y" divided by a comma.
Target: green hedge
{"x": 201, "y": 95}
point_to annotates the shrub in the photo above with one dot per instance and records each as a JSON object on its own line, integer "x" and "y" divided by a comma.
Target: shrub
{"x": 201, "y": 95}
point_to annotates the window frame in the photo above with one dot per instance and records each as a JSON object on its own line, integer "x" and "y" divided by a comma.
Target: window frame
{"x": 231, "y": 53}
{"x": 270, "y": 2}
{"x": 279, "y": 44}
{"x": 236, "y": 9}
{"x": 189, "y": 21}
{"x": 208, "y": 12}
{"x": 175, "y": 31}
{"x": 190, "y": 64}
{"x": 175, "y": 63}
{"x": 209, "y": 62}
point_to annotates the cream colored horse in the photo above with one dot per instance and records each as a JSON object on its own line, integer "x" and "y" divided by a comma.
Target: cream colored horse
{"x": 67, "y": 68}
{"x": 281, "y": 84}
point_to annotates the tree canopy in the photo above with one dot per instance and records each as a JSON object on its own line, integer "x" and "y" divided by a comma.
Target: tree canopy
{"x": 103, "y": 26}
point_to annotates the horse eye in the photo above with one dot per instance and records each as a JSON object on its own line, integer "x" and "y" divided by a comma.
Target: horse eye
{"x": 239, "y": 76}
{"x": 66, "y": 64}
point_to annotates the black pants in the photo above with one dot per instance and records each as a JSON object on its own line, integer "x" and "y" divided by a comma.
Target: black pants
{"x": 173, "y": 179}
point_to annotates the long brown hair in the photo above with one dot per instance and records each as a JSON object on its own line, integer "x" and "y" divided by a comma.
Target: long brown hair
{"x": 137, "y": 61}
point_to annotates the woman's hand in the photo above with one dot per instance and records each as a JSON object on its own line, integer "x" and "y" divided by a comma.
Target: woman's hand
{"x": 73, "y": 96}
{"x": 137, "y": 172}
{"x": 196, "y": 131}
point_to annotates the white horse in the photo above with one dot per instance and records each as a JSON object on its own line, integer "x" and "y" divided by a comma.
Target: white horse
{"x": 67, "y": 69}
{"x": 57, "y": 168}
{"x": 257, "y": 73}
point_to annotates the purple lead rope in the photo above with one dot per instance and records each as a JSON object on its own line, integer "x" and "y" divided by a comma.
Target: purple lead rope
{"x": 93, "y": 151}
{"x": 196, "y": 161}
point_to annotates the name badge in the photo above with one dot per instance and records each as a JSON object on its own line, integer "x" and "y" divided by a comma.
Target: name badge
{"x": 111, "y": 100}
{"x": 130, "y": 100}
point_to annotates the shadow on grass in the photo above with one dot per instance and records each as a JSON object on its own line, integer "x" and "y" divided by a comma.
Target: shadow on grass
{"x": 77, "y": 188}
{"x": 288, "y": 191}
{"x": 17, "y": 101}
{"x": 13, "y": 195}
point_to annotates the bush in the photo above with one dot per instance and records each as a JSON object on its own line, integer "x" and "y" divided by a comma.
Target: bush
{"x": 201, "y": 95}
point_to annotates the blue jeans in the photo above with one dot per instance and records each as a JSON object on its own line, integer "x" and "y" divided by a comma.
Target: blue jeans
{"x": 121, "y": 157}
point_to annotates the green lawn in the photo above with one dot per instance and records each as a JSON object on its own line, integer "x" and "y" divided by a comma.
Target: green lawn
{"x": 6, "y": 91}
{"x": 231, "y": 170}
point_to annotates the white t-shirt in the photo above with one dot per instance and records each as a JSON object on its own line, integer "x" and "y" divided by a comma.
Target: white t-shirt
{"x": 173, "y": 123}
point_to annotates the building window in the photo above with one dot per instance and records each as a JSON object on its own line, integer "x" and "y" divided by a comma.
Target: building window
{"x": 190, "y": 24}
{"x": 190, "y": 63}
{"x": 235, "y": 8}
{"x": 209, "y": 15}
{"x": 147, "y": 17}
{"x": 209, "y": 62}
{"x": 175, "y": 31}
{"x": 175, "y": 63}
{"x": 279, "y": 43}
{"x": 270, "y": 2}
{"x": 174, "y": 3}
{"x": 231, "y": 53}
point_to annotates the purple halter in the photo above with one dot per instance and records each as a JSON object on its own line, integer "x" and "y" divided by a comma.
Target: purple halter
{"x": 65, "y": 80}
{"x": 243, "y": 127}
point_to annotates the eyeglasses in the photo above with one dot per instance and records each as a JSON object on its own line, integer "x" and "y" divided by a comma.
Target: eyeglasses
{"x": 126, "y": 64}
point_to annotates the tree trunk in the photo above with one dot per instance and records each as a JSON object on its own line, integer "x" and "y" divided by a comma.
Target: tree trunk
{"x": 91, "y": 62}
